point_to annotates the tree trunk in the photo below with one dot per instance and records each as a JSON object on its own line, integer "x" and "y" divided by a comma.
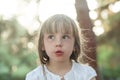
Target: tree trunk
{"x": 88, "y": 37}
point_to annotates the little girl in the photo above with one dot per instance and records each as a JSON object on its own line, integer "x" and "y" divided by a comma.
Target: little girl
{"x": 59, "y": 49}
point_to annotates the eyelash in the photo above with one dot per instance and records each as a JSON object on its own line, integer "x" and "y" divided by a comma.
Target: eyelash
{"x": 51, "y": 36}
{"x": 64, "y": 37}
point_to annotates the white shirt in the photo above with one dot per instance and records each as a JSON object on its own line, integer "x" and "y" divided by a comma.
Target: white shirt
{"x": 77, "y": 72}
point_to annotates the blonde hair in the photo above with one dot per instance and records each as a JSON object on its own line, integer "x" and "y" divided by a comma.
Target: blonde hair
{"x": 59, "y": 23}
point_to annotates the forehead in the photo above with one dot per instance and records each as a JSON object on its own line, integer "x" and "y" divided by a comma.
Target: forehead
{"x": 61, "y": 26}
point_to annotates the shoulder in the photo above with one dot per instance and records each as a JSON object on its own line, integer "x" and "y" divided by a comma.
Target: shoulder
{"x": 87, "y": 71}
{"x": 35, "y": 74}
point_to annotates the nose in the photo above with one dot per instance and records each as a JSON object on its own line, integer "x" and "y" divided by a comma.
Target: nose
{"x": 59, "y": 43}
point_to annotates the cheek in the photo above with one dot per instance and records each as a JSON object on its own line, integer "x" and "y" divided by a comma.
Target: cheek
{"x": 47, "y": 46}
{"x": 70, "y": 45}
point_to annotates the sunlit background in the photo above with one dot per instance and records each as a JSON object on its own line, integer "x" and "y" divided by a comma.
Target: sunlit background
{"x": 27, "y": 11}
{"x": 19, "y": 25}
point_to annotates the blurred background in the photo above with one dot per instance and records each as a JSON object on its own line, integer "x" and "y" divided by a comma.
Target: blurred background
{"x": 20, "y": 21}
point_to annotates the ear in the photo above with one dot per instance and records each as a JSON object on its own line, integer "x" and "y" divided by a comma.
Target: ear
{"x": 43, "y": 48}
{"x": 74, "y": 49}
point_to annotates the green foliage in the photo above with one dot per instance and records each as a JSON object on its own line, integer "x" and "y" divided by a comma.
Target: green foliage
{"x": 105, "y": 2}
{"x": 109, "y": 49}
{"x": 16, "y": 59}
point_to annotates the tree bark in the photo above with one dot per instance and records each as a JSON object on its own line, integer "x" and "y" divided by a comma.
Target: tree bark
{"x": 87, "y": 35}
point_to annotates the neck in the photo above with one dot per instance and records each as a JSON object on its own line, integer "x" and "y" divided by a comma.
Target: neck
{"x": 59, "y": 68}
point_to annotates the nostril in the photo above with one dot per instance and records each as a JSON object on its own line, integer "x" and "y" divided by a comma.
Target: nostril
{"x": 58, "y": 45}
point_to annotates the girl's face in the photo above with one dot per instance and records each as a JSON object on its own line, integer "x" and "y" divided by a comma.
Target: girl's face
{"x": 58, "y": 46}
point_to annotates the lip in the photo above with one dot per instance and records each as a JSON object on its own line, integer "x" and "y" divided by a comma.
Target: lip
{"x": 59, "y": 53}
